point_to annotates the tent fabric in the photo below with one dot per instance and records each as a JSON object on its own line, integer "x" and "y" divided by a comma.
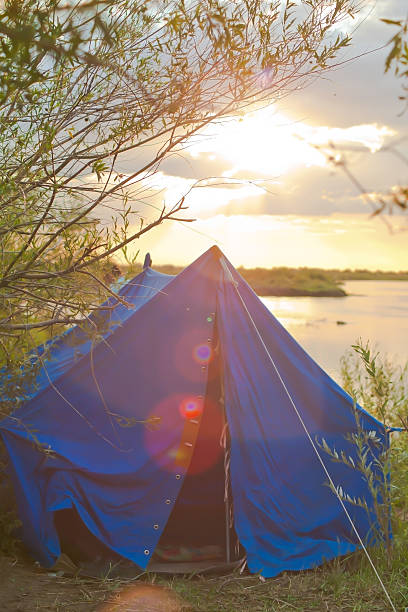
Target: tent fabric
{"x": 299, "y": 522}
{"x": 65, "y": 350}
{"x": 117, "y": 435}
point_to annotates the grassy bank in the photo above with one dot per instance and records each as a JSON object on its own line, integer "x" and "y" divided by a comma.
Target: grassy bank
{"x": 292, "y": 282}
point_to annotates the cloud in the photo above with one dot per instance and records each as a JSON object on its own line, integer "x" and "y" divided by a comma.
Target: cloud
{"x": 357, "y": 91}
{"x": 268, "y": 144}
{"x": 321, "y": 191}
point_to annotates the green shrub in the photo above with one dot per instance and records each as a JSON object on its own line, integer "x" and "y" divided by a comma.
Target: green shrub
{"x": 381, "y": 387}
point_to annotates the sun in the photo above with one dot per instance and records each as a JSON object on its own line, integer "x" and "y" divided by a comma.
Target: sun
{"x": 264, "y": 142}
{"x": 267, "y": 142}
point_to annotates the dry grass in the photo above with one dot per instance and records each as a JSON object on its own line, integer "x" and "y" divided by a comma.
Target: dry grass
{"x": 346, "y": 585}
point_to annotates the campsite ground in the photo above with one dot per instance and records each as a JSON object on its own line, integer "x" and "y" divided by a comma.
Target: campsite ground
{"x": 344, "y": 585}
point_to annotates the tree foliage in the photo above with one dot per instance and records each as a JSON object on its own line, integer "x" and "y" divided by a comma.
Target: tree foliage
{"x": 35, "y": 35}
{"x": 396, "y": 198}
{"x": 397, "y": 58}
{"x": 93, "y": 97}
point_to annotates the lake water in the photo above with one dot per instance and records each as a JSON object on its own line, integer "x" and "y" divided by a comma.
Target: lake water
{"x": 373, "y": 310}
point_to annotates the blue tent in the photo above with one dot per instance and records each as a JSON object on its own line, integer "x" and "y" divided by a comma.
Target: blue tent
{"x": 126, "y": 430}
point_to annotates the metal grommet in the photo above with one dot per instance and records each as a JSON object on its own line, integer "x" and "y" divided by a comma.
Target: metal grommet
{"x": 168, "y": 501}
{"x": 209, "y": 340}
{"x": 203, "y": 367}
{"x": 188, "y": 444}
{"x": 147, "y": 552}
{"x": 178, "y": 476}
{"x": 155, "y": 526}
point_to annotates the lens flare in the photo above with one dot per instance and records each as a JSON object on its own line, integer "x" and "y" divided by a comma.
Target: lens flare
{"x": 191, "y": 407}
{"x": 202, "y": 353}
{"x": 180, "y": 414}
{"x": 192, "y": 354}
{"x": 143, "y": 597}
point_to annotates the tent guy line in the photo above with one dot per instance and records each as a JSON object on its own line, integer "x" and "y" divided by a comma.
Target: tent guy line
{"x": 326, "y": 471}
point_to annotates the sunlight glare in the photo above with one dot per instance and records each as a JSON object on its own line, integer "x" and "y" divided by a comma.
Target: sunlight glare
{"x": 268, "y": 142}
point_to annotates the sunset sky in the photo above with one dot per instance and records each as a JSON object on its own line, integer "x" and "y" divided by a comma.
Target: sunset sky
{"x": 276, "y": 199}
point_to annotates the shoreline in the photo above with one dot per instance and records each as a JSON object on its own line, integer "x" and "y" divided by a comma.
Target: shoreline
{"x": 293, "y": 292}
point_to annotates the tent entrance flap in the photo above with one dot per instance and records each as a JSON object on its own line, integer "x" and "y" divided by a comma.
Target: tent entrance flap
{"x": 197, "y": 528}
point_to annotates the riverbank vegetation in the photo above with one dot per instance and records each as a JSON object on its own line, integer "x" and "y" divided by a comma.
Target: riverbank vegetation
{"x": 389, "y": 275}
{"x": 284, "y": 281}
{"x": 292, "y": 282}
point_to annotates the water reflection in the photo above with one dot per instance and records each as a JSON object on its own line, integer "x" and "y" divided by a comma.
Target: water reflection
{"x": 373, "y": 310}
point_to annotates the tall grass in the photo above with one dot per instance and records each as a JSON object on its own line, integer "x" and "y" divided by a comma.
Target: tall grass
{"x": 381, "y": 387}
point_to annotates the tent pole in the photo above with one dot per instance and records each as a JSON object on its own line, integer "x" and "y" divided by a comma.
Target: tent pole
{"x": 225, "y": 444}
{"x": 227, "y": 531}
{"x": 225, "y": 440}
